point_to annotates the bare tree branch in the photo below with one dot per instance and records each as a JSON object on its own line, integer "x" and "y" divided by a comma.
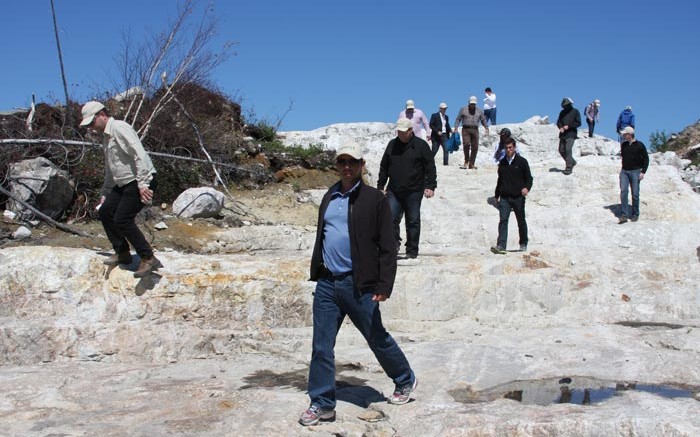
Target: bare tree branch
{"x": 43, "y": 216}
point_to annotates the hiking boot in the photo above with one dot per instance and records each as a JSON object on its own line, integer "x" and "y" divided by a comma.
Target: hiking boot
{"x": 523, "y": 247}
{"x": 498, "y": 250}
{"x": 634, "y": 218}
{"x": 314, "y": 415}
{"x": 463, "y": 167}
{"x": 118, "y": 258}
{"x": 411, "y": 255}
{"x": 402, "y": 395}
{"x": 622, "y": 220}
{"x": 567, "y": 171}
{"x": 147, "y": 266}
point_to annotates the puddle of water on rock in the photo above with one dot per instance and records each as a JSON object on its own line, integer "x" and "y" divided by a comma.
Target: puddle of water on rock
{"x": 577, "y": 390}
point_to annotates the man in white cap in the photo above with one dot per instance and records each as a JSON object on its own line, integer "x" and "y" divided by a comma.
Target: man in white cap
{"x": 354, "y": 266}
{"x": 421, "y": 127}
{"x": 592, "y": 116}
{"x": 440, "y": 132}
{"x": 128, "y": 186}
{"x": 409, "y": 167}
{"x": 635, "y": 162}
{"x": 470, "y": 116}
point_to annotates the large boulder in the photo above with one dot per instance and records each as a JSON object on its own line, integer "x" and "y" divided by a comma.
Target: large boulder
{"x": 40, "y": 183}
{"x": 200, "y": 202}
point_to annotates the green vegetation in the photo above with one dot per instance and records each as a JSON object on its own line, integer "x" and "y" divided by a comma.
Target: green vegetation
{"x": 658, "y": 141}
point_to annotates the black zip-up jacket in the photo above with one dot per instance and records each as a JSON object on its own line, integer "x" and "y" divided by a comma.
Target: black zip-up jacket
{"x": 372, "y": 245}
{"x": 408, "y": 166}
{"x": 569, "y": 116}
{"x": 634, "y": 156}
{"x": 513, "y": 177}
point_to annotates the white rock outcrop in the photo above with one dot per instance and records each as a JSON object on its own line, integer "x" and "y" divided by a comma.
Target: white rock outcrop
{"x": 595, "y": 331}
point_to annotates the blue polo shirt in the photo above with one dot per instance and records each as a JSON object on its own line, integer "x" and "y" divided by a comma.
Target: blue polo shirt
{"x": 336, "y": 234}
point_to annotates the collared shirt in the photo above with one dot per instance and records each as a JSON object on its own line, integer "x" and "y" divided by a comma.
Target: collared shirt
{"x": 442, "y": 119}
{"x": 336, "y": 235}
{"x": 125, "y": 158}
{"x": 419, "y": 120}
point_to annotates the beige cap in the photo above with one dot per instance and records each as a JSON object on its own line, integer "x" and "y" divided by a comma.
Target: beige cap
{"x": 90, "y": 109}
{"x": 443, "y": 105}
{"x": 404, "y": 124}
{"x": 596, "y": 102}
{"x": 627, "y": 130}
{"x": 351, "y": 149}
{"x": 410, "y": 104}
{"x": 472, "y": 99}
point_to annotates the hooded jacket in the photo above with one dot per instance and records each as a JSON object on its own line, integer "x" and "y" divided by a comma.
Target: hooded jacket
{"x": 569, "y": 116}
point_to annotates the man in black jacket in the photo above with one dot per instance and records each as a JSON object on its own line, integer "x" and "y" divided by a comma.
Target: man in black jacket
{"x": 514, "y": 184}
{"x": 635, "y": 162}
{"x": 354, "y": 266}
{"x": 409, "y": 166}
{"x": 568, "y": 122}
{"x": 440, "y": 132}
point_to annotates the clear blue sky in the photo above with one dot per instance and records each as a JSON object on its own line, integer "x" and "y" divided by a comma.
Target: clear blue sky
{"x": 359, "y": 61}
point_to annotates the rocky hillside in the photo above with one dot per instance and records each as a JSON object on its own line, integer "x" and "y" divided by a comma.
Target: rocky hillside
{"x": 595, "y": 331}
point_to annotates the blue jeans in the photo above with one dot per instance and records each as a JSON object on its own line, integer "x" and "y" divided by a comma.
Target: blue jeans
{"x": 505, "y": 206}
{"x": 629, "y": 178}
{"x": 490, "y": 115}
{"x": 333, "y": 300}
{"x": 440, "y": 140}
{"x": 409, "y": 202}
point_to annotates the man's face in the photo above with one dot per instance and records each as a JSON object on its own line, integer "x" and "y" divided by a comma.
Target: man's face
{"x": 404, "y": 136}
{"x": 472, "y": 106}
{"x": 99, "y": 122}
{"x": 443, "y": 110}
{"x": 350, "y": 169}
{"x": 627, "y": 137}
{"x": 510, "y": 150}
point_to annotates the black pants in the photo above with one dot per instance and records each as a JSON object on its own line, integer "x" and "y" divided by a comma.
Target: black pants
{"x": 440, "y": 140}
{"x": 505, "y": 206}
{"x": 118, "y": 213}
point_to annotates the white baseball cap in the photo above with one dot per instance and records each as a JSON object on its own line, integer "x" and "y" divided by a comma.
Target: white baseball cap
{"x": 443, "y": 105}
{"x": 351, "y": 149}
{"x": 90, "y": 109}
{"x": 410, "y": 104}
{"x": 472, "y": 99}
{"x": 404, "y": 124}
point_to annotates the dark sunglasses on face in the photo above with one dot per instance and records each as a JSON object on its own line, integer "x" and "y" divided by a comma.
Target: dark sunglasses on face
{"x": 344, "y": 162}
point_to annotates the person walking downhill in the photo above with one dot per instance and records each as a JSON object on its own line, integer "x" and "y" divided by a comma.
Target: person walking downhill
{"x": 490, "y": 106}
{"x": 440, "y": 132}
{"x": 626, "y": 118}
{"x": 635, "y": 162}
{"x": 592, "y": 116}
{"x": 514, "y": 184}
{"x": 568, "y": 123}
{"x": 128, "y": 186}
{"x": 409, "y": 166}
{"x": 354, "y": 266}
{"x": 470, "y": 116}
{"x": 421, "y": 127}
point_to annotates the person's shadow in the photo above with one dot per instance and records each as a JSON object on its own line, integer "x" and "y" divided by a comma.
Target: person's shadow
{"x": 146, "y": 283}
{"x": 556, "y": 170}
{"x": 615, "y": 209}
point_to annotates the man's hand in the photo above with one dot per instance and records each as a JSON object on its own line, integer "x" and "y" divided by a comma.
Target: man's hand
{"x": 99, "y": 205}
{"x": 641, "y": 176}
{"x": 379, "y": 297}
{"x": 428, "y": 193}
{"x": 146, "y": 195}
{"x": 524, "y": 192}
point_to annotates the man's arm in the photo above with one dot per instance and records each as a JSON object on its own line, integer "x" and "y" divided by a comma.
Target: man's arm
{"x": 387, "y": 251}
{"x": 384, "y": 169}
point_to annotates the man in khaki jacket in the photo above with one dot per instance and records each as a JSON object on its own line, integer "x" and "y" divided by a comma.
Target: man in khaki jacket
{"x": 128, "y": 186}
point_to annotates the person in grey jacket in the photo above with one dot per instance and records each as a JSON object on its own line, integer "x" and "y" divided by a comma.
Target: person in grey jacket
{"x": 592, "y": 114}
{"x": 128, "y": 186}
{"x": 568, "y": 123}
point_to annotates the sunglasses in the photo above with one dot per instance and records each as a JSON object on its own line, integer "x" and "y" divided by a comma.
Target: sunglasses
{"x": 344, "y": 162}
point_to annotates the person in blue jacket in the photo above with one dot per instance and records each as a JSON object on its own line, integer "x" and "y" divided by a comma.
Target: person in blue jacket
{"x": 626, "y": 118}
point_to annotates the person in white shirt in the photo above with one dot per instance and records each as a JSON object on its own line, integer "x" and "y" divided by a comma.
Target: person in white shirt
{"x": 490, "y": 106}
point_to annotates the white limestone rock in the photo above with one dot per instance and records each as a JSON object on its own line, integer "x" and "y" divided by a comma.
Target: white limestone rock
{"x": 200, "y": 202}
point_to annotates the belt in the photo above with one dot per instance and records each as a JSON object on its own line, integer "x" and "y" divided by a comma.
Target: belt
{"x": 470, "y": 127}
{"x": 327, "y": 274}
